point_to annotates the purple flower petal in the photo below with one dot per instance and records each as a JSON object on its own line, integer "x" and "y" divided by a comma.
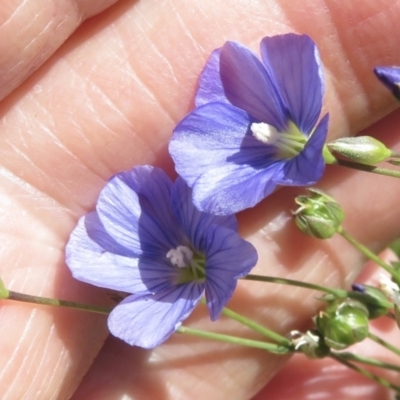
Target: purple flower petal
{"x": 89, "y": 262}
{"x": 133, "y": 210}
{"x": 210, "y": 85}
{"x": 147, "y": 321}
{"x": 390, "y": 77}
{"x": 308, "y": 166}
{"x": 293, "y": 62}
{"x": 248, "y": 86}
{"x": 192, "y": 221}
{"x": 229, "y": 257}
{"x": 229, "y": 169}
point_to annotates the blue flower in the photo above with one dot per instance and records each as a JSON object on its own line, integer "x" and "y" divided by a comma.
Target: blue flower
{"x": 390, "y": 77}
{"x": 254, "y": 126}
{"x": 147, "y": 238}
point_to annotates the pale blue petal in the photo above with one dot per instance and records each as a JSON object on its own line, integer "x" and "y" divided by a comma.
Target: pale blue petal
{"x": 247, "y": 85}
{"x": 228, "y": 257}
{"x": 148, "y": 321}
{"x": 135, "y": 209}
{"x": 89, "y": 262}
{"x": 216, "y": 154}
{"x": 210, "y": 85}
{"x": 293, "y": 63}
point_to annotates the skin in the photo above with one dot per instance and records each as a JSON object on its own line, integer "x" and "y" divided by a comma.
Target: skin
{"x": 87, "y": 101}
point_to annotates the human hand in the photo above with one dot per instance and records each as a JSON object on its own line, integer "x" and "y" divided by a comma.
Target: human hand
{"x": 108, "y": 99}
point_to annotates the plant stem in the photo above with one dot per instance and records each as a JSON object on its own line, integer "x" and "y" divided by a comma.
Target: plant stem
{"x": 56, "y": 302}
{"x": 383, "y": 343}
{"x": 270, "y": 347}
{"x": 368, "y": 374}
{"x": 339, "y": 293}
{"x": 368, "y": 168}
{"x": 257, "y": 327}
{"x": 369, "y": 361}
{"x": 368, "y": 253}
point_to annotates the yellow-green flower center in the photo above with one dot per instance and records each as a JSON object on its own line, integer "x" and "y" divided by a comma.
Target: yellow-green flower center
{"x": 288, "y": 144}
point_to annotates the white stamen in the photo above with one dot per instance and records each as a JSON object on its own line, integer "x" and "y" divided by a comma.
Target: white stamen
{"x": 390, "y": 289}
{"x": 181, "y": 256}
{"x": 264, "y": 132}
{"x": 304, "y": 339}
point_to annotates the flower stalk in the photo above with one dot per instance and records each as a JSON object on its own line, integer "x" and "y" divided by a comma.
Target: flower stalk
{"x": 47, "y": 301}
{"x": 367, "y": 168}
{"x": 368, "y": 374}
{"x": 385, "y": 344}
{"x": 281, "y": 340}
{"x": 369, "y": 254}
{"x": 270, "y": 347}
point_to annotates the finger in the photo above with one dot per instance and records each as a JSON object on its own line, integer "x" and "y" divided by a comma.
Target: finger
{"x": 109, "y": 101}
{"x": 30, "y": 32}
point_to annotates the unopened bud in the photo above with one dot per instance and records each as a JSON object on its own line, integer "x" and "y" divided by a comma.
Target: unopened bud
{"x": 319, "y": 215}
{"x": 362, "y": 149}
{"x": 344, "y": 324}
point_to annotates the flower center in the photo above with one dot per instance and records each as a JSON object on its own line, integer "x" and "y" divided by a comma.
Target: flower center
{"x": 191, "y": 264}
{"x": 289, "y": 144}
{"x": 264, "y": 132}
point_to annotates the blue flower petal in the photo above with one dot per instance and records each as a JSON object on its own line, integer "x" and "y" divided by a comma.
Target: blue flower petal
{"x": 248, "y": 86}
{"x": 133, "y": 210}
{"x": 192, "y": 221}
{"x": 308, "y": 166}
{"x": 210, "y": 85}
{"x": 293, "y": 62}
{"x": 228, "y": 168}
{"x": 229, "y": 257}
{"x": 147, "y": 321}
{"x": 390, "y": 77}
{"x": 90, "y": 263}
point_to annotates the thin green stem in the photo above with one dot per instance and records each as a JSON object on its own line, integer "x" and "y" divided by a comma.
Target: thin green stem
{"x": 368, "y": 168}
{"x": 339, "y": 293}
{"x": 56, "y": 302}
{"x": 385, "y": 344}
{"x": 257, "y": 327}
{"x": 368, "y": 374}
{"x": 369, "y": 361}
{"x": 368, "y": 253}
{"x": 270, "y": 347}
{"x": 253, "y": 325}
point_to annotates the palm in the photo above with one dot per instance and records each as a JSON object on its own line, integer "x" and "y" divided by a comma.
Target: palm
{"x": 107, "y": 100}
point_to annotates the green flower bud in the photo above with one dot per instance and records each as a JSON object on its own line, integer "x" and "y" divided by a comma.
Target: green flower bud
{"x": 362, "y": 149}
{"x": 347, "y": 325}
{"x": 319, "y": 215}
